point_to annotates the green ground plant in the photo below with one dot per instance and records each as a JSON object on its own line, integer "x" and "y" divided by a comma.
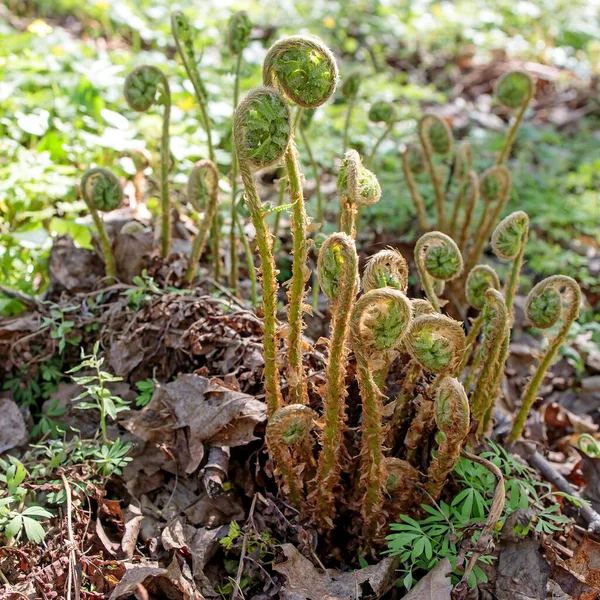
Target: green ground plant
{"x": 95, "y": 388}
{"x": 421, "y": 542}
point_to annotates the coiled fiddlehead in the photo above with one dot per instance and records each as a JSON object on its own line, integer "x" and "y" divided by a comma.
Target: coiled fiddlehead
{"x": 379, "y": 322}
{"x": 508, "y": 242}
{"x": 261, "y": 134}
{"x": 438, "y": 259}
{"x": 436, "y": 138}
{"x": 413, "y": 163}
{"x": 203, "y": 194}
{"x": 101, "y": 190}
{"x": 436, "y": 343}
{"x": 141, "y": 89}
{"x": 452, "y": 417}
{"x": 337, "y": 270}
{"x": 514, "y": 90}
{"x": 238, "y": 38}
{"x": 494, "y": 188}
{"x": 495, "y": 330}
{"x": 381, "y": 112}
{"x": 553, "y": 299}
{"x": 356, "y": 186}
{"x": 350, "y": 87}
{"x": 238, "y": 32}
{"x": 387, "y": 268}
{"x": 305, "y": 69}
{"x": 480, "y": 279}
{"x": 289, "y": 427}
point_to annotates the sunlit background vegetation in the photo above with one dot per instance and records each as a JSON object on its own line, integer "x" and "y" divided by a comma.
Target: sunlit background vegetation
{"x": 63, "y": 64}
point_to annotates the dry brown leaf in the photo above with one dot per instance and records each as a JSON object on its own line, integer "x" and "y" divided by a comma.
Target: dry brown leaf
{"x": 159, "y": 582}
{"x": 556, "y": 415}
{"x": 193, "y": 410}
{"x": 585, "y": 565}
{"x": 13, "y": 431}
{"x": 436, "y": 585}
{"x": 132, "y": 522}
{"x": 72, "y": 268}
{"x": 522, "y": 571}
{"x": 305, "y": 582}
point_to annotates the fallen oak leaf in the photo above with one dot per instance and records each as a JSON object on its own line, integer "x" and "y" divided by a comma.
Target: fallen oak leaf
{"x": 163, "y": 583}
{"x": 585, "y": 565}
{"x": 193, "y": 410}
{"x": 305, "y": 582}
{"x": 436, "y": 585}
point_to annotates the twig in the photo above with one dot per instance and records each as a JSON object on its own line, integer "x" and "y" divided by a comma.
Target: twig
{"x": 460, "y": 590}
{"x": 72, "y": 578}
{"x": 548, "y": 472}
{"x": 240, "y": 571}
{"x": 215, "y": 471}
{"x": 225, "y": 291}
{"x": 23, "y": 298}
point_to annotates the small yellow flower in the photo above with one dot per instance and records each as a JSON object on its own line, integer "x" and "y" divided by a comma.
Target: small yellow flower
{"x": 39, "y": 27}
{"x": 329, "y": 22}
{"x": 186, "y": 103}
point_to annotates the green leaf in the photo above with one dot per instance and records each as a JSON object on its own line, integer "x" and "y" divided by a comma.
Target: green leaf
{"x": 80, "y": 233}
{"x": 37, "y": 511}
{"x": 35, "y": 532}
{"x": 14, "y": 526}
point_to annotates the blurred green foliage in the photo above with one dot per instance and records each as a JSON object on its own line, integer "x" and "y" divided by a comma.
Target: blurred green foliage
{"x": 63, "y": 64}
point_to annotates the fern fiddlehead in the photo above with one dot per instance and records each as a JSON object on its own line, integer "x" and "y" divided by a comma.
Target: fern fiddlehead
{"x": 350, "y": 87}
{"x": 494, "y": 188}
{"x": 289, "y": 427}
{"x": 386, "y": 268}
{"x": 438, "y": 259}
{"x": 452, "y": 418}
{"x": 261, "y": 134}
{"x": 413, "y": 163}
{"x": 508, "y": 242}
{"x": 238, "y": 37}
{"x": 437, "y": 344}
{"x": 436, "y": 138}
{"x": 101, "y": 191}
{"x": 481, "y": 278}
{"x": 554, "y": 299}
{"x": 379, "y": 323}
{"x": 337, "y": 270}
{"x": 514, "y": 90}
{"x": 495, "y": 329}
{"x": 306, "y": 71}
{"x": 386, "y": 113}
{"x": 203, "y": 194}
{"x": 141, "y": 89}
{"x": 357, "y": 186}
{"x": 412, "y": 374}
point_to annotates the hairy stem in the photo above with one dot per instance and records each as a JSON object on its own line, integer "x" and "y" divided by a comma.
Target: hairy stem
{"x": 415, "y": 195}
{"x": 296, "y": 380}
